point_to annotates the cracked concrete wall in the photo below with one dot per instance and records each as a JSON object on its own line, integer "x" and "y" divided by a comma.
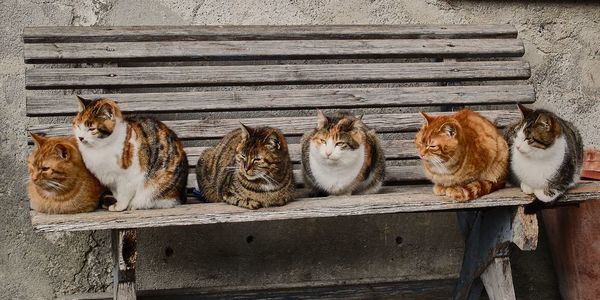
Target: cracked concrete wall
{"x": 562, "y": 42}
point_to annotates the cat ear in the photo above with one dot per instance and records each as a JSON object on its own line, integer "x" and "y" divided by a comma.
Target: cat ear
{"x": 273, "y": 141}
{"x": 545, "y": 121}
{"x": 83, "y": 103}
{"x": 322, "y": 119}
{"x": 449, "y": 129}
{"x": 427, "y": 118}
{"x": 62, "y": 151}
{"x": 37, "y": 139}
{"x": 245, "y": 131}
{"x": 107, "y": 112}
{"x": 524, "y": 110}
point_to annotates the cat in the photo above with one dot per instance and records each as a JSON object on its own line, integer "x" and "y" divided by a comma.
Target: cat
{"x": 139, "y": 159}
{"x": 546, "y": 154}
{"x": 342, "y": 156}
{"x": 59, "y": 182}
{"x": 463, "y": 154}
{"x": 249, "y": 167}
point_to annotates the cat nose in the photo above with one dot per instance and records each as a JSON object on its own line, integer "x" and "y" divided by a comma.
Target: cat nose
{"x": 328, "y": 152}
{"x": 81, "y": 139}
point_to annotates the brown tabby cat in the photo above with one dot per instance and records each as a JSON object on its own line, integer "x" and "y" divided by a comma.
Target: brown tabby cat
{"x": 463, "y": 154}
{"x": 250, "y": 168}
{"x": 59, "y": 182}
{"x": 342, "y": 156}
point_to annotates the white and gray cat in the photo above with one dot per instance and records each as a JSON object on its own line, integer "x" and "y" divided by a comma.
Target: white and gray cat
{"x": 546, "y": 154}
{"x": 342, "y": 156}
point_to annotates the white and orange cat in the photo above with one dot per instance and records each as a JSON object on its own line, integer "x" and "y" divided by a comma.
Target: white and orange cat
{"x": 139, "y": 159}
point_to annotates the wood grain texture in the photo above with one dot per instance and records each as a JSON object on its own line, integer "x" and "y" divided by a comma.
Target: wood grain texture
{"x": 346, "y": 289}
{"x": 393, "y": 200}
{"x": 124, "y": 254}
{"x": 291, "y": 126}
{"x": 525, "y": 230}
{"x": 497, "y": 279}
{"x": 46, "y": 105}
{"x": 291, "y": 49}
{"x": 394, "y": 174}
{"x": 111, "y": 77}
{"x": 72, "y": 34}
{"x": 393, "y": 150}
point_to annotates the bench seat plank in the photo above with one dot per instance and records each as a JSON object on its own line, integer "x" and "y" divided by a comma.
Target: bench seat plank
{"x": 112, "y": 77}
{"x": 291, "y": 126}
{"x": 392, "y": 200}
{"x": 291, "y": 49}
{"x": 74, "y": 34}
{"x": 50, "y": 105}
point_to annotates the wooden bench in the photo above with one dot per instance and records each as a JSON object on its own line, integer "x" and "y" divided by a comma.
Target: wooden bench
{"x": 277, "y": 76}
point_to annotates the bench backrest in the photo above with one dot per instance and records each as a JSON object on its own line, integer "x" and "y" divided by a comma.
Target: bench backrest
{"x": 203, "y": 80}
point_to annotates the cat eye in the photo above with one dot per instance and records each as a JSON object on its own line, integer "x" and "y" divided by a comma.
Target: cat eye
{"x": 45, "y": 169}
{"x": 242, "y": 156}
{"x": 322, "y": 141}
{"x": 257, "y": 159}
{"x": 91, "y": 128}
{"x": 432, "y": 147}
{"x": 340, "y": 144}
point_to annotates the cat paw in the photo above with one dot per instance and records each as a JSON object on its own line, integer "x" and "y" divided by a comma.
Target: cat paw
{"x": 526, "y": 189}
{"x": 458, "y": 193}
{"x": 251, "y": 204}
{"x": 116, "y": 207}
{"x": 439, "y": 190}
{"x": 546, "y": 196}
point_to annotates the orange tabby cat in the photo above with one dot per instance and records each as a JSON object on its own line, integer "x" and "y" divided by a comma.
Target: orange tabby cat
{"x": 59, "y": 183}
{"x": 463, "y": 154}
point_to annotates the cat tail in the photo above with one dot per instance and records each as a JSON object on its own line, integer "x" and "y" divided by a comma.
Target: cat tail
{"x": 182, "y": 176}
{"x": 480, "y": 188}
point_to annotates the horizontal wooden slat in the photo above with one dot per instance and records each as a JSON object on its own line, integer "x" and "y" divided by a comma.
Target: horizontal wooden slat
{"x": 394, "y": 174}
{"x": 50, "y": 105}
{"x": 273, "y": 74}
{"x": 250, "y": 32}
{"x": 292, "y": 49}
{"x": 393, "y": 149}
{"x": 395, "y": 199}
{"x": 209, "y": 129}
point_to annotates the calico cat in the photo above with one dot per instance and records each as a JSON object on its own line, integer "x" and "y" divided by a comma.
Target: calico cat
{"x": 59, "y": 182}
{"x": 342, "y": 156}
{"x": 250, "y": 168}
{"x": 139, "y": 159}
{"x": 546, "y": 154}
{"x": 463, "y": 154}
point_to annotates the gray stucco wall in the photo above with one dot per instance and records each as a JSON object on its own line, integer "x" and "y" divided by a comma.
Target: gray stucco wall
{"x": 562, "y": 44}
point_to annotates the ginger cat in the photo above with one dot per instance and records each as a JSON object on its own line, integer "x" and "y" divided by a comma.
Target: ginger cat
{"x": 463, "y": 154}
{"x": 59, "y": 182}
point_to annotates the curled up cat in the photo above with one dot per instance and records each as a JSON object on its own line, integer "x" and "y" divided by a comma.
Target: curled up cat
{"x": 139, "y": 159}
{"x": 249, "y": 168}
{"x": 59, "y": 182}
{"x": 546, "y": 154}
{"x": 342, "y": 156}
{"x": 463, "y": 154}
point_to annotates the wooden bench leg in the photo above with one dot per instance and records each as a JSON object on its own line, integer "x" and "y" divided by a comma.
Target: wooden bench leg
{"x": 488, "y": 234}
{"x": 497, "y": 279}
{"x": 124, "y": 254}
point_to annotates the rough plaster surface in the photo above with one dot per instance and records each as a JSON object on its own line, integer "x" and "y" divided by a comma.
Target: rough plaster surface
{"x": 562, "y": 42}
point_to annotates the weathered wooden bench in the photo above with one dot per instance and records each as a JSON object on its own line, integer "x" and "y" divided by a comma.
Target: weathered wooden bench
{"x": 277, "y": 76}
